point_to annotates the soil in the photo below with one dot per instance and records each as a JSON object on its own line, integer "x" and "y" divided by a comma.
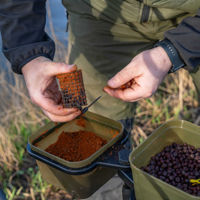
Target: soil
{"x": 76, "y": 146}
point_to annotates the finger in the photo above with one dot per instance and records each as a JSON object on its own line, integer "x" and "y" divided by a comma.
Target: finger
{"x": 49, "y": 105}
{"x": 59, "y": 68}
{"x": 56, "y": 118}
{"x": 130, "y": 94}
{"x": 125, "y": 75}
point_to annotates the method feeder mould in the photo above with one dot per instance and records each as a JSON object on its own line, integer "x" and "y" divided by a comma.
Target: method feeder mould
{"x": 72, "y": 89}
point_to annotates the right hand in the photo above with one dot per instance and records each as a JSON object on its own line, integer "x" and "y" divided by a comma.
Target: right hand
{"x": 39, "y": 75}
{"x": 142, "y": 75}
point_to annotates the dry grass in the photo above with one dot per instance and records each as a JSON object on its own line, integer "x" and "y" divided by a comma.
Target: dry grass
{"x": 176, "y": 99}
{"x": 16, "y": 111}
{"x": 7, "y": 159}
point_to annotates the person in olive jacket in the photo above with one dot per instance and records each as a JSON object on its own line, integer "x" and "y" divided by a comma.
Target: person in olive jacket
{"x": 113, "y": 41}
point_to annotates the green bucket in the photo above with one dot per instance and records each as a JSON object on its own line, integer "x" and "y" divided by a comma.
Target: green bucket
{"x": 80, "y": 185}
{"x": 148, "y": 187}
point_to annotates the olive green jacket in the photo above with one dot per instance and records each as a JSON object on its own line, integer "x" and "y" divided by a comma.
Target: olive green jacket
{"x": 105, "y": 35}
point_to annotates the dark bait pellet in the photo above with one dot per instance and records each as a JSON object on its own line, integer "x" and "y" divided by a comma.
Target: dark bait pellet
{"x": 177, "y": 164}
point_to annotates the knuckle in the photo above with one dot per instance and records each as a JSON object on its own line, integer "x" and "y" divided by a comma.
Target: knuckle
{"x": 119, "y": 78}
{"x": 34, "y": 99}
{"x": 52, "y": 118}
{"x": 46, "y": 65}
{"x": 76, "y": 114}
{"x": 69, "y": 119}
{"x": 73, "y": 116}
{"x": 128, "y": 99}
{"x": 148, "y": 93}
{"x": 59, "y": 64}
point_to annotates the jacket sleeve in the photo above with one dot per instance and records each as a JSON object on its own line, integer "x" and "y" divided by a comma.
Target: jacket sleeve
{"x": 22, "y": 25}
{"x": 186, "y": 39}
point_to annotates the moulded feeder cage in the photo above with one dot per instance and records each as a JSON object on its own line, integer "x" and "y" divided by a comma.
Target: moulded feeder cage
{"x": 72, "y": 89}
{"x": 81, "y": 178}
{"x": 148, "y": 187}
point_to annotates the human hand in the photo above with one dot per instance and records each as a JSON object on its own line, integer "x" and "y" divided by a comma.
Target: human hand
{"x": 143, "y": 75}
{"x": 39, "y": 75}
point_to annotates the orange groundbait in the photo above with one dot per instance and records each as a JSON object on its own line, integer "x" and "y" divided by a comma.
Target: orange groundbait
{"x": 76, "y": 146}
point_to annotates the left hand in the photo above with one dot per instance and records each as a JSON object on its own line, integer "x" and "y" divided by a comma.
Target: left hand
{"x": 145, "y": 73}
{"x": 39, "y": 75}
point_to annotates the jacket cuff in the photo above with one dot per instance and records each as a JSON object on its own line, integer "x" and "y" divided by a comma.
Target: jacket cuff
{"x": 21, "y": 55}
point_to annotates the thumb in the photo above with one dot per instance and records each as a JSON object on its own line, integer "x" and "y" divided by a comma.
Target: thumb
{"x": 122, "y": 77}
{"x": 59, "y": 68}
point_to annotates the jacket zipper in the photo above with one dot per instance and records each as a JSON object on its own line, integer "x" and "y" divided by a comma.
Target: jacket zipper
{"x": 67, "y": 26}
{"x": 145, "y": 14}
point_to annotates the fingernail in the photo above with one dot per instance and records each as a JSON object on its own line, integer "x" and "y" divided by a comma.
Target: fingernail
{"x": 111, "y": 83}
{"x": 78, "y": 112}
{"x": 108, "y": 91}
{"x": 74, "y": 109}
{"x": 106, "y": 88}
{"x": 73, "y": 66}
